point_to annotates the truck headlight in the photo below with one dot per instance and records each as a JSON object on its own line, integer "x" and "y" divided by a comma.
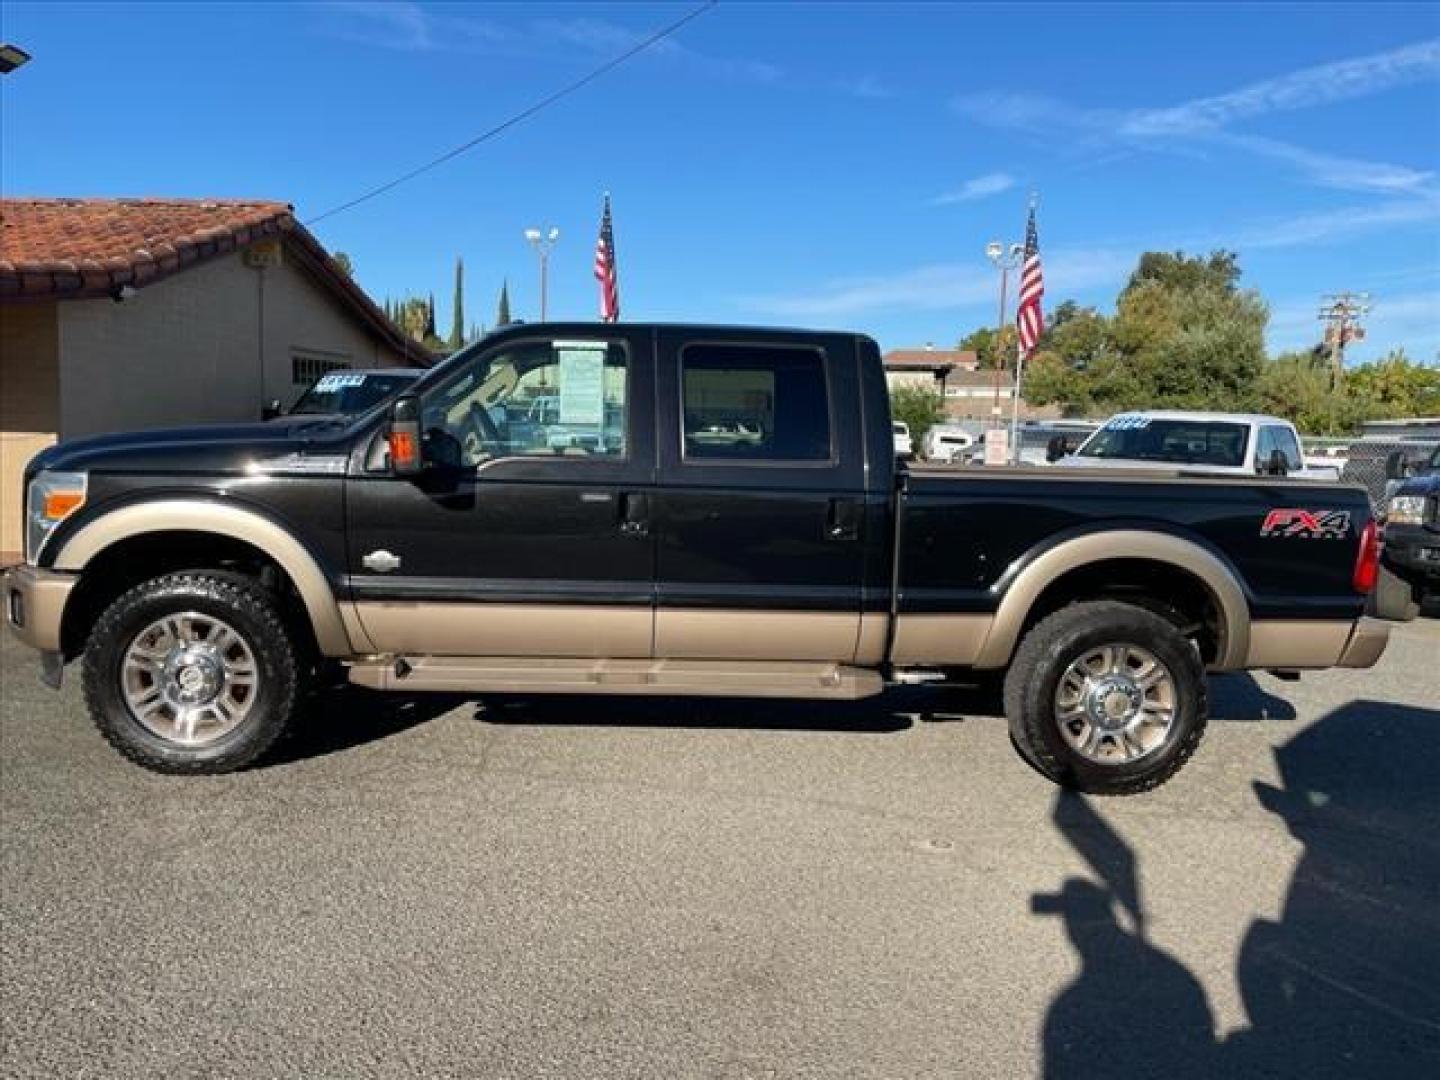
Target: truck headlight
{"x": 51, "y": 498}
{"x": 1406, "y": 510}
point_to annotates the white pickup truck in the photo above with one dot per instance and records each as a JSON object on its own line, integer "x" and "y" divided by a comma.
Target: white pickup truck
{"x": 1213, "y": 443}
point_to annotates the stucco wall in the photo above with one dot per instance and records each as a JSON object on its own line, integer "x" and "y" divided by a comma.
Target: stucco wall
{"x": 29, "y": 404}
{"x": 188, "y": 349}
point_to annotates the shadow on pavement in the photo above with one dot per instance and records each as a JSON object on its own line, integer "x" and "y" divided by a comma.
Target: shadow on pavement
{"x": 342, "y": 717}
{"x": 1237, "y": 696}
{"x": 1343, "y": 985}
{"x": 878, "y": 716}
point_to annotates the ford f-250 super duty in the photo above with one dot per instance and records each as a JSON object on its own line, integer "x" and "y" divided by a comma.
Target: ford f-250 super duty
{"x": 695, "y": 510}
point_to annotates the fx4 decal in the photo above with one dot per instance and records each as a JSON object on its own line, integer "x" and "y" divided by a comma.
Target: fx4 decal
{"x": 1307, "y": 524}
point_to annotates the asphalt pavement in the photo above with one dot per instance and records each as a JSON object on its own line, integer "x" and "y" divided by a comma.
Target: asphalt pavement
{"x": 581, "y": 888}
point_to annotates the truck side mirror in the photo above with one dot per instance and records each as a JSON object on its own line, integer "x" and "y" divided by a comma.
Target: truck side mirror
{"x": 1397, "y": 465}
{"x": 271, "y": 409}
{"x": 403, "y": 435}
{"x": 1056, "y": 449}
{"x": 1277, "y": 465}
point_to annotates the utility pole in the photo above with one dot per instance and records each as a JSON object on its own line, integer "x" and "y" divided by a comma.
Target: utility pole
{"x": 1341, "y": 313}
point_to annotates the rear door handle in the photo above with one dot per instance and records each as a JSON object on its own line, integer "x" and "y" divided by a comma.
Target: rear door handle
{"x": 843, "y": 520}
{"x": 634, "y": 514}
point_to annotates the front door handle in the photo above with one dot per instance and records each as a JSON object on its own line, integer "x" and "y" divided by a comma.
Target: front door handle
{"x": 843, "y": 520}
{"x": 635, "y": 514}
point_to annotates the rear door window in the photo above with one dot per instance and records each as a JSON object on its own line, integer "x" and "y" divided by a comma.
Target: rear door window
{"x": 760, "y": 403}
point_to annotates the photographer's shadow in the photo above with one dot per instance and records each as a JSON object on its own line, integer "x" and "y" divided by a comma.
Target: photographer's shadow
{"x": 1133, "y": 1010}
{"x": 1345, "y": 984}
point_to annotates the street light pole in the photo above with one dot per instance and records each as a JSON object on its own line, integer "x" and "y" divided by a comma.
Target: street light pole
{"x": 1005, "y": 258}
{"x": 542, "y": 242}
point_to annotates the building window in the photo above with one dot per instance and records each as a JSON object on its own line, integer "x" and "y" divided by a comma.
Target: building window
{"x": 306, "y": 366}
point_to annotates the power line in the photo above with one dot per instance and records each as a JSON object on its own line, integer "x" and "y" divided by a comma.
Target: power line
{"x": 525, "y": 114}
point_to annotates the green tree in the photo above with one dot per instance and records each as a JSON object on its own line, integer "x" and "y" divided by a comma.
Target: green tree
{"x": 344, "y": 262}
{"x": 1294, "y": 386}
{"x": 1395, "y": 386}
{"x": 1220, "y": 270}
{"x": 502, "y": 310}
{"x": 983, "y": 342}
{"x": 919, "y": 408}
{"x": 457, "y": 312}
{"x": 430, "y": 318}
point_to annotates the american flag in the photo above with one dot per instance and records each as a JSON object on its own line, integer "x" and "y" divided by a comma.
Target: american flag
{"x": 605, "y": 271}
{"x": 1029, "y": 319}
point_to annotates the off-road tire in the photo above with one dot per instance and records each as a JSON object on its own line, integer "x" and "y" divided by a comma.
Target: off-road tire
{"x": 1041, "y": 660}
{"x": 251, "y": 610}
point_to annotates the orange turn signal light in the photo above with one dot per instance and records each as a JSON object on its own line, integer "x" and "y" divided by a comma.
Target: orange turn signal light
{"x": 404, "y": 448}
{"x": 61, "y": 504}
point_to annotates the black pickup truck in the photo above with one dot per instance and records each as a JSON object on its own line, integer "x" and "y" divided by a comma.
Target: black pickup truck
{"x": 670, "y": 510}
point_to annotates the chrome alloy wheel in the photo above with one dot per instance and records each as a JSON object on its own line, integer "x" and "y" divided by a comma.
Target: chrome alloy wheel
{"x": 189, "y": 678}
{"x": 1115, "y": 704}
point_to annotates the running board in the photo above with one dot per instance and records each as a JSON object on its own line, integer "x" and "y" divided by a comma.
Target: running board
{"x": 546, "y": 675}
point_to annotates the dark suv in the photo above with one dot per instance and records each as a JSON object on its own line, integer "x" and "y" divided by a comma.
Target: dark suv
{"x": 1412, "y": 531}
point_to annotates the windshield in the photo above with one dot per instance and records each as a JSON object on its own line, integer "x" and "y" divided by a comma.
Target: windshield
{"x": 349, "y": 392}
{"x": 1182, "y": 441}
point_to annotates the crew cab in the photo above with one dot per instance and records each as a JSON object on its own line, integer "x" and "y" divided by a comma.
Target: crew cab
{"x": 732, "y": 522}
{"x": 1217, "y": 443}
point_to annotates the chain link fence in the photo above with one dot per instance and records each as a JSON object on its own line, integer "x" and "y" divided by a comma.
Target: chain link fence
{"x": 1365, "y": 464}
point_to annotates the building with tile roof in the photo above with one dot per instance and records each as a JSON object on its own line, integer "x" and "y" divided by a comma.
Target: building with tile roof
{"x": 119, "y": 314}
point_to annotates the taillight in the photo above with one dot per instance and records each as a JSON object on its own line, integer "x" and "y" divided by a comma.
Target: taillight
{"x": 1367, "y": 560}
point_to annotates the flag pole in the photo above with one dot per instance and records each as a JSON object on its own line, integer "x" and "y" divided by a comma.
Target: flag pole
{"x": 1019, "y": 363}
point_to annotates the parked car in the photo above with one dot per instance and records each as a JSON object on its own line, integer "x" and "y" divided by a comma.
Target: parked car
{"x": 201, "y": 581}
{"x": 946, "y": 445}
{"x": 1209, "y": 443}
{"x": 1412, "y": 524}
{"x": 1039, "y": 441}
{"x": 348, "y": 393}
{"x": 904, "y": 447}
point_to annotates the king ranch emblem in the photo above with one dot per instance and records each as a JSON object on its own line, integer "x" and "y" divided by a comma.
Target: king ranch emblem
{"x": 1307, "y": 524}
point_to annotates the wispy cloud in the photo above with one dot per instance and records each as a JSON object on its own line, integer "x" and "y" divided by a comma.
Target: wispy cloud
{"x": 1303, "y": 89}
{"x": 1072, "y": 271}
{"x": 409, "y": 27}
{"x": 1200, "y": 126}
{"x": 979, "y": 187}
{"x": 938, "y": 287}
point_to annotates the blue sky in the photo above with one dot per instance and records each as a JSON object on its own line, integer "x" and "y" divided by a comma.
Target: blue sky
{"x": 838, "y": 165}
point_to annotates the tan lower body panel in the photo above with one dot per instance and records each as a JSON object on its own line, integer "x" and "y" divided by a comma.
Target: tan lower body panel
{"x": 704, "y": 678}
{"x": 1366, "y": 644}
{"x": 1298, "y": 643}
{"x": 726, "y": 634}
{"x": 466, "y": 629}
{"x": 940, "y": 639}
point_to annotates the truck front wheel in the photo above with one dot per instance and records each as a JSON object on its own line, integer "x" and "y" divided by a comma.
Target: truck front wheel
{"x": 191, "y": 673}
{"x": 1106, "y": 698}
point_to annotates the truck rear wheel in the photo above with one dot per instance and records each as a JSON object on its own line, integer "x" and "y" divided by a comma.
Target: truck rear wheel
{"x": 1106, "y": 698}
{"x": 191, "y": 673}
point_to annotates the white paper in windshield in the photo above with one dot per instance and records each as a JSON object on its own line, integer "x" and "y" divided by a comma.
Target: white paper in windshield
{"x": 582, "y": 381}
{"x": 334, "y": 381}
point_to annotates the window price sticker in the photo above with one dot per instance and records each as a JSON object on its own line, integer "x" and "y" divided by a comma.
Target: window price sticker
{"x": 582, "y": 381}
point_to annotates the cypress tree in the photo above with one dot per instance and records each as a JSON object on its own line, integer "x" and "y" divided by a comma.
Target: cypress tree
{"x": 430, "y": 318}
{"x": 502, "y": 316}
{"x": 457, "y": 315}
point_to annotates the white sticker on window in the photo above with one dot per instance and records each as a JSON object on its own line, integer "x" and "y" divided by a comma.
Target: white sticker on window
{"x": 336, "y": 381}
{"x": 582, "y": 382}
